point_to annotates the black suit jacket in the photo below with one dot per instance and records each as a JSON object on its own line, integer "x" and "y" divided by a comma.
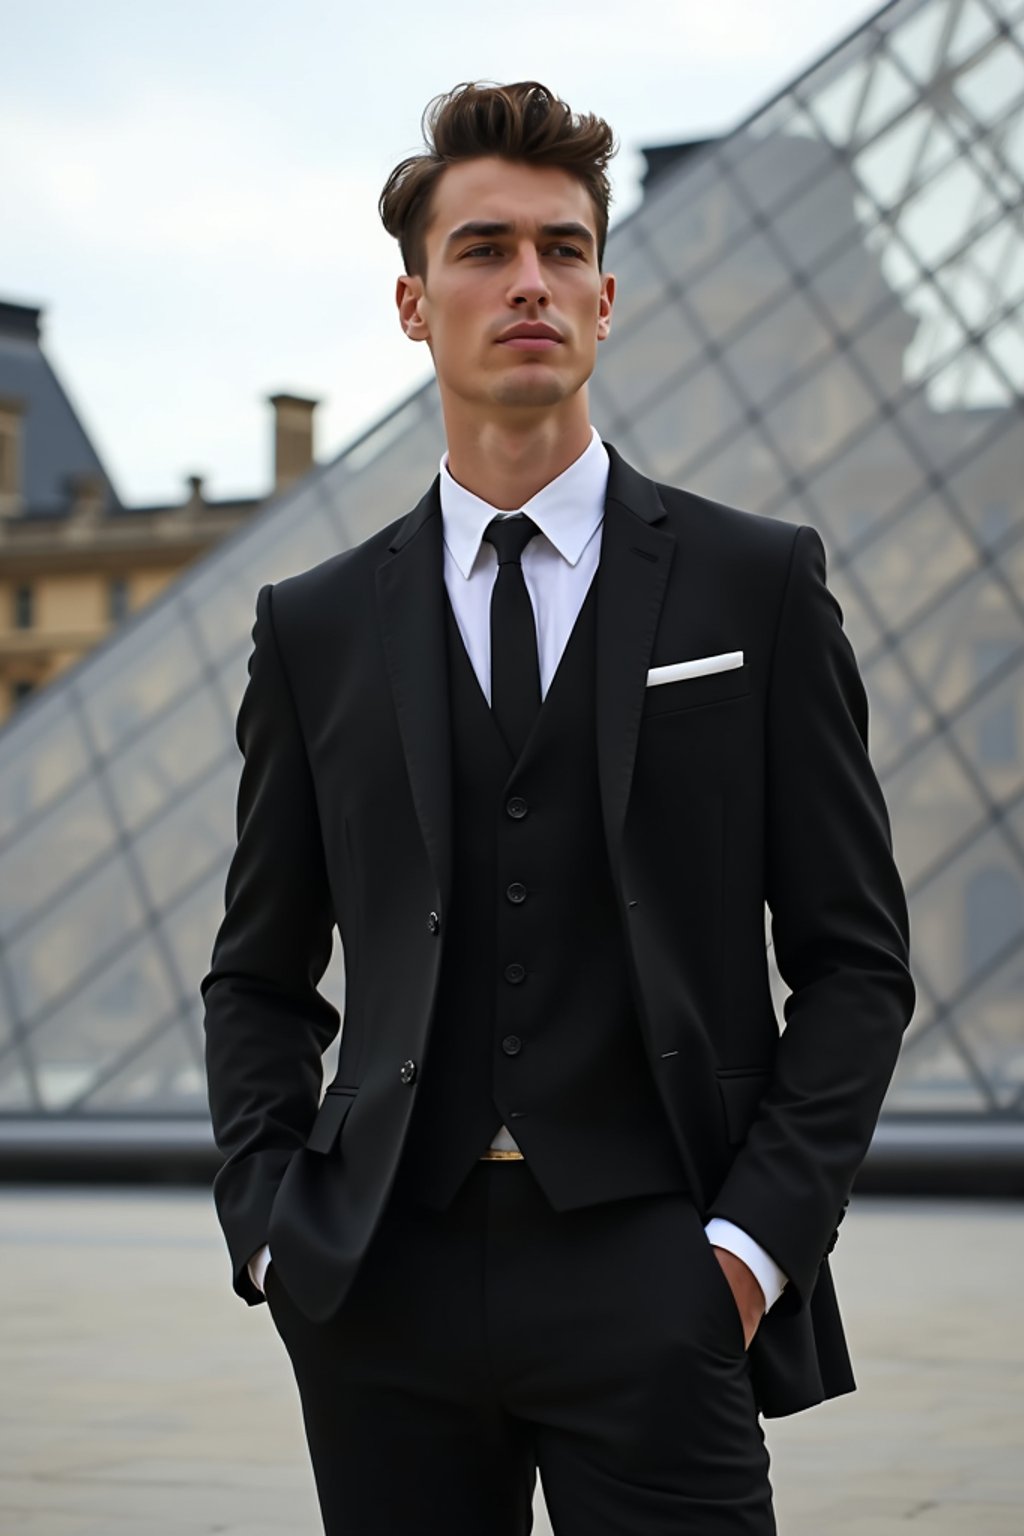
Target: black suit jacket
{"x": 718, "y": 793}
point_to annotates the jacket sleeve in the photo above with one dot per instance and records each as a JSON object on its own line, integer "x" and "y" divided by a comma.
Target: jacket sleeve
{"x": 840, "y": 929}
{"x": 266, "y": 1024}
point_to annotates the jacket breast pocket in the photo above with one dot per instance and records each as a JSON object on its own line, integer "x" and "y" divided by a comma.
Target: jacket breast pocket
{"x": 689, "y": 692}
{"x": 742, "y": 1089}
{"x": 330, "y": 1118}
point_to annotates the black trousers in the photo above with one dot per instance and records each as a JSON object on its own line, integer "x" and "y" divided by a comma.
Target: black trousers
{"x": 481, "y": 1344}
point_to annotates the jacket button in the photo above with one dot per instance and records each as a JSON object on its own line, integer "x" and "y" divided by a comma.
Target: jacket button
{"x": 433, "y": 922}
{"x": 408, "y": 1072}
{"x": 517, "y": 807}
{"x": 516, "y": 891}
{"x": 511, "y": 1045}
{"x": 515, "y": 972}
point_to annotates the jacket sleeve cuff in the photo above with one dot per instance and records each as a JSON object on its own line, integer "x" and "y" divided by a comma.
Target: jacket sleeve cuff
{"x": 257, "y": 1266}
{"x": 771, "y": 1279}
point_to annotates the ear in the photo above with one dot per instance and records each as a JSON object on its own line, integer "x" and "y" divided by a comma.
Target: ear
{"x": 604, "y": 311}
{"x": 409, "y": 297}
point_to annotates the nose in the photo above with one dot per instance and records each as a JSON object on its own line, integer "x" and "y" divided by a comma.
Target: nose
{"x": 528, "y": 284}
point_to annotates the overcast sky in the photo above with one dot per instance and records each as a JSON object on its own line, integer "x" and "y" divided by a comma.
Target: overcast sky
{"x": 189, "y": 190}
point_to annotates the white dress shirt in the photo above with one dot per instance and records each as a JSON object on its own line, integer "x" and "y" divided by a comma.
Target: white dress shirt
{"x": 558, "y": 567}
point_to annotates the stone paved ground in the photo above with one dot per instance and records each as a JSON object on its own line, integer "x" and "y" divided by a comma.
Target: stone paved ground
{"x": 139, "y": 1398}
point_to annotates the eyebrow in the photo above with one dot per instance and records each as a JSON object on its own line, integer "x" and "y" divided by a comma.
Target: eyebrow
{"x": 487, "y": 229}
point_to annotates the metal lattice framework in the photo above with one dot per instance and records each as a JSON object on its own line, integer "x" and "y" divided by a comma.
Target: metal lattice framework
{"x": 819, "y": 317}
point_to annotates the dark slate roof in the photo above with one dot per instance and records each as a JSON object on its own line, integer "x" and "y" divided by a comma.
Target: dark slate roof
{"x": 55, "y": 444}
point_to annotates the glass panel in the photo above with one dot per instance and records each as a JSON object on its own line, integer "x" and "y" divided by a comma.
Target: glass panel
{"x": 16, "y": 1094}
{"x": 966, "y": 390}
{"x": 937, "y": 220}
{"x": 989, "y": 1020}
{"x": 696, "y": 226}
{"x": 39, "y": 758}
{"x": 933, "y": 805}
{"x": 744, "y": 281}
{"x": 864, "y": 307}
{"x": 824, "y": 218}
{"x": 99, "y": 1023}
{"x": 691, "y": 418}
{"x": 298, "y": 535}
{"x": 769, "y": 170}
{"x": 197, "y": 832}
{"x": 897, "y": 716}
{"x": 870, "y": 479}
{"x": 165, "y": 1077}
{"x": 637, "y": 361}
{"x": 894, "y": 165}
{"x": 993, "y": 85}
{"x": 937, "y": 648}
{"x": 860, "y": 627}
{"x": 173, "y": 752}
{"x": 837, "y": 106}
{"x": 988, "y": 488}
{"x": 76, "y": 834}
{"x": 889, "y": 93}
{"x": 745, "y": 474}
{"x": 933, "y": 1076}
{"x": 956, "y": 411}
{"x": 990, "y": 733}
{"x": 980, "y": 896}
{"x": 1005, "y": 345}
{"x": 638, "y": 284}
{"x": 779, "y": 346}
{"x": 917, "y": 557}
{"x": 917, "y": 43}
{"x": 88, "y": 924}
{"x": 813, "y": 420}
{"x": 973, "y": 28}
{"x": 127, "y": 684}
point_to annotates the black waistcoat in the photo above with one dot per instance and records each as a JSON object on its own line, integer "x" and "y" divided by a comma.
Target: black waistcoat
{"x": 535, "y": 1026}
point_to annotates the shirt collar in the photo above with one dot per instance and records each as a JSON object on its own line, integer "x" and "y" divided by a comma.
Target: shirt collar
{"x": 566, "y": 510}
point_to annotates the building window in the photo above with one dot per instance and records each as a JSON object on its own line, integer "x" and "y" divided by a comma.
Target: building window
{"x": 117, "y": 599}
{"x": 23, "y": 616}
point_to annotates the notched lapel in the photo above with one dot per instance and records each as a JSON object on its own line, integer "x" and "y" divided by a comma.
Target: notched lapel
{"x": 410, "y": 599}
{"x": 632, "y": 575}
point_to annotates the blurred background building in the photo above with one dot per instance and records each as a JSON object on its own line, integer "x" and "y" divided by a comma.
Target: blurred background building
{"x": 74, "y": 561}
{"x": 818, "y": 318}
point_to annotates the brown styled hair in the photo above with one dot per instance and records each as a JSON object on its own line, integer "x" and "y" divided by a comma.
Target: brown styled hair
{"x": 523, "y": 121}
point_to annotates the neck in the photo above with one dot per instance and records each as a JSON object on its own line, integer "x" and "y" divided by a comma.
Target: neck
{"x": 507, "y": 462}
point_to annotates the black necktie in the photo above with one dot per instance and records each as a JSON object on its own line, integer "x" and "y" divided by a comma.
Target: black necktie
{"x": 515, "y": 669}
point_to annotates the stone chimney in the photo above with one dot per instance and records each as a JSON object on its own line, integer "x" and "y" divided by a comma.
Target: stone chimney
{"x": 293, "y": 438}
{"x": 87, "y": 496}
{"x": 11, "y": 447}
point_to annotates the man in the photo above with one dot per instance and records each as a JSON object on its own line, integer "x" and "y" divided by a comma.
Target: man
{"x": 542, "y": 749}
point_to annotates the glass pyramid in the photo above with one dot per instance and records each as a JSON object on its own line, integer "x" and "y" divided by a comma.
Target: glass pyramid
{"x": 820, "y": 318}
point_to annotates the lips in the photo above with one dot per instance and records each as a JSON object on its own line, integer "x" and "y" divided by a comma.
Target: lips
{"x": 530, "y": 336}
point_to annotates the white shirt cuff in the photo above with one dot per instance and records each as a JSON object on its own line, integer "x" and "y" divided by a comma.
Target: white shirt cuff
{"x": 771, "y": 1279}
{"x": 258, "y": 1266}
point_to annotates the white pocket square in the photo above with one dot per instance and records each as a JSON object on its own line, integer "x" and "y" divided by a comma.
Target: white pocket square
{"x": 700, "y": 666}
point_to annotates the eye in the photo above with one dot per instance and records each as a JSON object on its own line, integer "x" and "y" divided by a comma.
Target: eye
{"x": 477, "y": 250}
{"x": 573, "y": 250}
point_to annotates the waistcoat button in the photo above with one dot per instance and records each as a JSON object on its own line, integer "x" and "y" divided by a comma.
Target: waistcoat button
{"x": 511, "y": 1045}
{"x": 408, "y": 1072}
{"x": 515, "y": 972}
{"x": 517, "y": 807}
{"x": 433, "y": 922}
{"x": 516, "y": 891}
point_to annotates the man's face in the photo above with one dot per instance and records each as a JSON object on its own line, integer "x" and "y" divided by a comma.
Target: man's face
{"x": 510, "y": 247}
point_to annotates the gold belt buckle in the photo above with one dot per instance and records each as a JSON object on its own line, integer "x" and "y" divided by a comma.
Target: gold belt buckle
{"x": 500, "y": 1154}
